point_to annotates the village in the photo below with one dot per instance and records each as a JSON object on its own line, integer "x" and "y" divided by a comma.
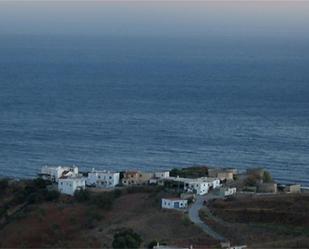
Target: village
{"x": 193, "y": 207}
{"x": 223, "y": 181}
{"x": 189, "y": 189}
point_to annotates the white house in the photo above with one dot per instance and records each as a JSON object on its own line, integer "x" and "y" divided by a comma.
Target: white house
{"x": 71, "y": 184}
{"x": 199, "y": 186}
{"x": 54, "y": 173}
{"x": 162, "y": 174}
{"x": 102, "y": 179}
{"x": 174, "y": 203}
{"x": 214, "y": 182}
{"x": 227, "y": 191}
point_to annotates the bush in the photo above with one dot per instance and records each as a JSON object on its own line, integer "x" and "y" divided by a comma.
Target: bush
{"x": 186, "y": 221}
{"x": 4, "y": 184}
{"x": 267, "y": 177}
{"x": 3, "y": 211}
{"x": 39, "y": 183}
{"x": 82, "y": 195}
{"x": 103, "y": 200}
{"x": 193, "y": 172}
{"x": 52, "y": 195}
{"x": 251, "y": 180}
{"x": 126, "y": 238}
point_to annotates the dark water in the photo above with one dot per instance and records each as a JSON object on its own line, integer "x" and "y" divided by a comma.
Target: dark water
{"x": 153, "y": 103}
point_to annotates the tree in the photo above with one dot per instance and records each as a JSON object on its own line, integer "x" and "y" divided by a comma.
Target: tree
{"x": 126, "y": 238}
{"x": 267, "y": 177}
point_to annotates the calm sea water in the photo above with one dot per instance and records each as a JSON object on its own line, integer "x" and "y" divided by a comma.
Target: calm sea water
{"x": 154, "y": 103}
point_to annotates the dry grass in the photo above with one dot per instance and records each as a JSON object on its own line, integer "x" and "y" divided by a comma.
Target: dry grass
{"x": 66, "y": 223}
{"x": 264, "y": 221}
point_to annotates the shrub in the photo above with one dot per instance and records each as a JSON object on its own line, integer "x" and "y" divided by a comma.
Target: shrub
{"x": 4, "y": 183}
{"x": 267, "y": 177}
{"x": 186, "y": 221}
{"x": 126, "y": 238}
{"x": 39, "y": 183}
{"x": 3, "y": 211}
{"x": 193, "y": 172}
{"x": 52, "y": 195}
{"x": 251, "y": 180}
{"x": 82, "y": 195}
{"x": 103, "y": 200}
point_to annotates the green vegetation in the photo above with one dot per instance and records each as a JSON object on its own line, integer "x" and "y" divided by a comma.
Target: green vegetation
{"x": 126, "y": 238}
{"x": 192, "y": 172}
{"x": 103, "y": 200}
{"x": 82, "y": 195}
{"x": 267, "y": 177}
{"x": 4, "y": 183}
{"x": 253, "y": 179}
{"x": 186, "y": 221}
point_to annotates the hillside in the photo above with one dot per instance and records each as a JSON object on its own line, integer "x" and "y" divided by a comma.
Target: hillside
{"x": 263, "y": 221}
{"x": 68, "y": 222}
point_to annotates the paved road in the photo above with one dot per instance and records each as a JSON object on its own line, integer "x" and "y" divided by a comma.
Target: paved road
{"x": 195, "y": 218}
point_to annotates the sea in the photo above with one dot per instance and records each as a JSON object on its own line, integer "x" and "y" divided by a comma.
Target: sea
{"x": 154, "y": 103}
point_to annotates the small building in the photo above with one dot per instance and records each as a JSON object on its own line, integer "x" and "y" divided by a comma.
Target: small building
{"x": 292, "y": 188}
{"x": 269, "y": 187}
{"x": 222, "y": 174}
{"x": 174, "y": 203}
{"x": 225, "y": 191}
{"x": 136, "y": 178}
{"x": 157, "y": 176}
{"x": 214, "y": 182}
{"x": 102, "y": 179}
{"x": 199, "y": 186}
{"x": 162, "y": 174}
{"x": 53, "y": 173}
{"x": 70, "y": 184}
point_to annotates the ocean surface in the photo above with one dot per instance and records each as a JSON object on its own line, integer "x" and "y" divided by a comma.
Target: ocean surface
{"x": 154, "y": 103}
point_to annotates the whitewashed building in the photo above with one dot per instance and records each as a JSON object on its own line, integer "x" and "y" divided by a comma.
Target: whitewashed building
{"x": 213, "y": 182}
{"x": 71, "y": 184}
{"x": 199, "y": 186}
{"x": 53, "y": 173}
{"x": 162, "y": 174}
{"x": 103, "y": 179}
{"x": 227, "y": 191}
{"x": 174, "y": 203}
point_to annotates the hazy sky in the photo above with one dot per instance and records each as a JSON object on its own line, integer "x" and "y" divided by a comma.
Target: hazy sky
{"x": 155, "y": 18}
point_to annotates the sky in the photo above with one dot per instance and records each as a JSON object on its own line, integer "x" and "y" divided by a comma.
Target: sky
{"x": 145, "y": 18}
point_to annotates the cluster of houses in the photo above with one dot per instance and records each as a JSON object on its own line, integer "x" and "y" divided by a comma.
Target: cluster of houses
{"x": 69, "y": 180}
